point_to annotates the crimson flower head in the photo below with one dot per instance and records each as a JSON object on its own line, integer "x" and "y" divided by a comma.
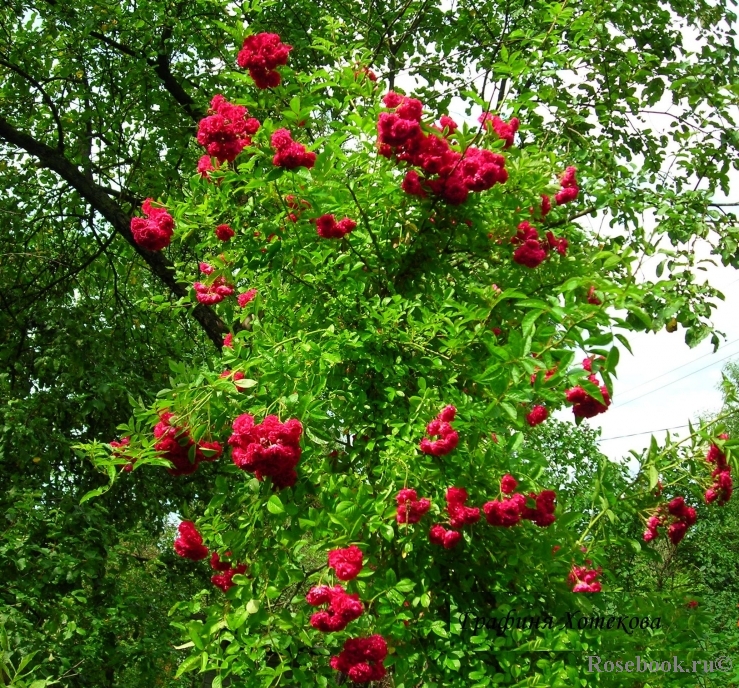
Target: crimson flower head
{"x": 546, "y": 205}
{"x": 506, "y": 512}
{"x": 227, "y": 130}
{"x": 205, "y": 166}
{"x": 290, "y": 154}
{"x": 448, "y": 539}
{"x": 411, "y": 184}
{"x": 441, "y": 427}
{"x": 459, "y": 514}
{"x": 246, "y": 297}
{"x": 270, "y": 448}
{"x": 260, "y": 54}
{"x": 585, "y": 406}
{"x": 362, "y": 659}
{"x": 537, "y": 415}
{"x": 569, "y": 188}
{"x": 174, "y": 443}
{"x": 531, "y": 251}
{"x": 447, "y": 122}
{"x": 505, "y": 130}
{"x": 224, "y": 580}
{"x": 228, "y": 341}
{"x": 410, "y": 508}
{"x": 508, "y": 484}
{"x": 343, "y": 608}
{"x": 224, "y": 232}
{"x": 347, "y": 562}
{"x": 155, "y": 231}
{"x": 583, "y": 579}
{"x": 210, "y": 294}
{"x": 328, "y": 228}
{"x": 189, "y": 543}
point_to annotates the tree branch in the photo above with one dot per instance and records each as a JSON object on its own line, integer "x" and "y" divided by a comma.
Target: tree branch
{"x": 99, "y": 199}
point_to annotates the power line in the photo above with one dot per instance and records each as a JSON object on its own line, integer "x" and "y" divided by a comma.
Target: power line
{"x": 672, "y": 370}
{"x": 641, "y": 396}
{"x": 646, "y": 432}
{"x": 676, "y": 427}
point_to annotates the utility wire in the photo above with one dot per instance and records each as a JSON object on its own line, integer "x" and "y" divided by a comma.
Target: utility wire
{"x": 649, "y": 432}
{"x": 641, "y": 396}
{"x": 646, "y": 432}
{"x": 672, "y": 370}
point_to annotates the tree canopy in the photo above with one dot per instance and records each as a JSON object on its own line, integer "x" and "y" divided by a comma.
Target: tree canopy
{"x": 364, "y": 338}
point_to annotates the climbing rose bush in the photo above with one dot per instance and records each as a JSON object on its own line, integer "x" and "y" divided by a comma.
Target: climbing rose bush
{"x": 407, "y": 297}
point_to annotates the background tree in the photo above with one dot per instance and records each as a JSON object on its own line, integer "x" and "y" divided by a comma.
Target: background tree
{"x": 104, "y": 117}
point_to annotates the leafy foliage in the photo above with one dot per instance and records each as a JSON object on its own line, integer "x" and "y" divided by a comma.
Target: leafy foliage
{"x": 363, "y": 339}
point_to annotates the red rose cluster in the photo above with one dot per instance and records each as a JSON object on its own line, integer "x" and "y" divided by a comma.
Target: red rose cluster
{"x": 546, "y": 205}
{"x": 175, "y": 443}
{"x": 362, "y": 659}
{"x": 531, "y": 250}
{"x": 441, "y": 427}
{"x": 205, "y": 167}
{"x": 328, "y": 228}
{"x": 537, "y": 415}
{"x": 446, "y": 122}
{"x": 569, "y": 189}
{"x": 290, "y": 154}
{"x": 583, "y": 405}
{"x": 505, "y": 130}
{"x": 226, "y": 131}
{"x": 459, "y": 515}
{"x": 343, "y": 608}
{"x": 155, "y": 231}
{"x": 246, "y": 297}
{"x": 213, "y": 293}
{"x": 410, "y": 507}
{"x": 269, "y": 449}
{"x": 119, "y": 450}
{"x": 189, "y": 543}
{"x": 438, "y": 535}
{"x": 347, "y": 562}
{"x": 680, "y": 516}
{"x": 723, "y": 486}
{"x": 449, "y": 174}
{"x": 224, "y": 578}
{"x": 261, "y": 54}
{"x": 224, "y": 233}
{"x": 509, "y": 511}
{"x": 583, "y": 579}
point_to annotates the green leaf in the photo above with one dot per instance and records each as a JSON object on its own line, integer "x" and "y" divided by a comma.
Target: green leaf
{"x": 405, "y": 585}
{"x": 95, "y": 493}
{"x": 653, "y": 477}
{"x": 252, "y": 606}
{"x": 238, "y": 618}
{"x": 245, "y": 383}
{"x": 188, "y": 665}
{"x": 275, "y": 506}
